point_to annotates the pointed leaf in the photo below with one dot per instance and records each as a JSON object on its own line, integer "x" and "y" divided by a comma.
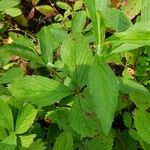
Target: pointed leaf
{"x": 39, "y": 90}
{"x": 103, "y": 88}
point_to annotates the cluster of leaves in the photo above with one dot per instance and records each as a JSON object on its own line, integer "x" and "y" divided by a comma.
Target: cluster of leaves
{"x": 81, "y": 83}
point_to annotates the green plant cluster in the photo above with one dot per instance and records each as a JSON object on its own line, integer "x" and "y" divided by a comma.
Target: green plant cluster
{"x": 81, "y": 82}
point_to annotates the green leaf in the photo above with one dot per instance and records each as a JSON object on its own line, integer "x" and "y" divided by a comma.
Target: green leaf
{"x": 78, "y": 21}
{"x": 101, "y": 5}
{"x": 103, "y": 88}
{"x": 25, "y": 119}
{"x": 5, "y": 4}
{"x": 10, "y": 143}
{"x": 78, "y": 57}
{"x": 63, "y": 5}
{"x": 98, "y": 22}
{"x": 46, "y": 44}
{"x": 6, "y": 118}
{"x": 38, "y": 145}
{"x": 13, "y": 12}
{"x": 142, "y": 121}
{"x": 39, "y": 90}
{"x": 24, "y": 52}
{"x": 83, "y": 118}
{"x": 22, "y": 40}
{"x": 127, "y": 119}
{"x": 138, "y": 93}
{"x": 45, "y": 9}
{"x": 135, "y": 37}
{"x": 64, "y": 142}
{"x": 99, "y": 143}
{"x": 3, "y": 133}
{"x": 117, "y": 20}
{"x": 61, "y": 117}
{"x": 11, "y": 75}
{"x": 26, "y": 141}
{"x": 145, "y": 14}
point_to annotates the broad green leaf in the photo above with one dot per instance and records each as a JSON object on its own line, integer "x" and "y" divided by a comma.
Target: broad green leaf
{"x": 45, "y": 9}
{"x": 11, "y": 75}
{"x": 132, "y": 8}
{"x": 22, "y": 51}
{"x": 13, "y": 12}
{"x": 117, "y": 20}
{"x": 145, "y": 13}
{"x": 3, "y": 133}
{"x": 22, "y": 40}
{"x": 64, "y": 142}
{"x": 5, "y": 4}
{"x": 77, "y": 55}
{"x": 83, "y": 118}
{"x": 6, "y": 118}
{"x": 78, "y": 21}
{"x": 25, "y": 119}
{"x": 63, "y": 5}
{"x": 46, "y": 44}
{"x": 99, "y": 143}
{"x": 9, "y": 143}
{"x": 27, "y": 140}
{"x": 98, "y": 22}
{"x": 142, "y": 121}
{"x": 103, "y": 88}
{"x": 39, "y": 90}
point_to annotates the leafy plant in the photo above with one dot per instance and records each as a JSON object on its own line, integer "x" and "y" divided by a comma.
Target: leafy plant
{"x": 78, "y": 86}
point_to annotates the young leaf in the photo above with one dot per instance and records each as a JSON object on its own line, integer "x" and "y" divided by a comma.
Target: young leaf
{"x": 39, "y": 90}
{"x": 76, "y": 54}
{"x": 63, "y": 5}
{"x": 103, "y": 88}
{"x": 25, "y": 119}
{"x": 13, "y": 12}
{"x": 142, "y": 121}
{"x": 26, "y": 141}
{"x": 78, "y": 21}
{"x": 83, "y": 118}
{"x": 45, "y": 9}
{"x": 64, "y": 141}
{"x": 6, "y": 118}
{"x": 46, "y": 44}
